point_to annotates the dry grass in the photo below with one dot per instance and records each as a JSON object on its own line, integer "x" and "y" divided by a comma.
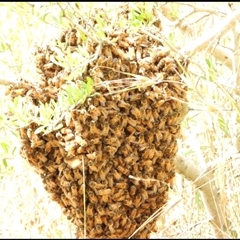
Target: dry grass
{"x": 27, "y": 211}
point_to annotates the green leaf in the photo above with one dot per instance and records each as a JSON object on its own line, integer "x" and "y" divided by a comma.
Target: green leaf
{"x": 5, "y": 164}
{"x": 4, "y": 146}
{"x": 89, "y": 85}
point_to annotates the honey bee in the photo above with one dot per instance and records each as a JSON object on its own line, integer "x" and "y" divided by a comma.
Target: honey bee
{"x": 104, "y": 171}
{"x": 40, "y": 156}
{"x": 113, "y": 141}
{"x": 118, "y": 133}
{"x": 138, "y": 200}
{"x": 96, "y": 186}
{"x": 132, "y": 122}
{"x": 93, "y": 129}
{"x": 77, "y": 174}
{"x": 99, "y": 229}
{"x": 128, "y": 202}
{"x": 106, "y": 191}
{"x": 130, "y": 129}
{"x": 71, "y": 148}
{"x": 116, "y": 175}
{"x": 145, "y": 206}
{"x": 122, "y": 170}
{"x": 94, "y": 112}
{"x": 130, "y": 138}
{"x": 51, "y": 167}
{"x": 115, "y": 120}
{"x": 114, "y": 206}
{"x": 118, "y": 194}
{"x": 160, "y": 175}
{"x": 92, "y": 197}
{"x": 61, "y": 167}
{"x": 72, "y": 38}
{"x": 92, "y": 233}
{"x": 97, "y": 219}
{"x": 64, "y": 182}
{"x": 153, "y": 205}
{"x": 110, "y": 226}
{"x": 101, "y": 59}
{"x": 51, "y": 181}
{"x": 36, "y": 142}
{"x": 91, "y": 156}
{"x": 120, "y": 198}
{"x": 119, "y": 53}
{"x": 131, "y": 159}
{"x": 69, "y": 136}
{"x": 169, "y": 166}
{"x": 48, "y": 147}
{"x": 123, "y": 44}
{"x": 79, "y": 213}
{"x": 173, "y": 149}
{"x": 90, "y": 209}
{"x": 133, "y": 67}
{"x": 111, "y": 150}
{"x": 158, "y": 135}
{"x": 110, "y": 180}
{"x": 82, "y": 117}
{"x": 98, "y": 156}
{"x": 133, "y": 213}
{"x": 107, "y": 52}
{"x": 74, "y": 201}
{"x": 135, "y": 168}
{"x": 122, "y": 185}
{"x": 124, "y": 105}
{"x": 100, "y": 210}
{"x": 174, "y": 128}
{"x": 62, "y": 152}
{"x": 172, "y": 119}
{"x": 104, "y": 199}
{"x": 162, "y": 123}
{"x": 67, "y": 174}
{"x": 149, "y": 153}
{"x": 149, "y": 116}
{"x": 74, "y": 189}
{"x": 167, "y": 137}
{"x": 166, "y": 109}
{"x": 132, "y": 228}
{"x": 92, "y": 167}
{"x": 124, "y": 220}
{"x": 40, "y": 165}
{"x": 144, "y": 194}
{"x": 116, "y": 216}
{"x": 105, "y": 128}
{"x": 149, "y": 137}
{"x": 64, "y": 200}
{"x": 147, "y": 124}
{"x": 101, "y": 99}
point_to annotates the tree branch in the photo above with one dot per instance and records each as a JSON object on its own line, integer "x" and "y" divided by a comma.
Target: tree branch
{"x": 7, "y": 82}
{"x": 204, "y": 180}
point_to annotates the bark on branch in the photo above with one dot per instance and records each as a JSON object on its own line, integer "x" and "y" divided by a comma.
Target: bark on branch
{"x": 204, "y": 180}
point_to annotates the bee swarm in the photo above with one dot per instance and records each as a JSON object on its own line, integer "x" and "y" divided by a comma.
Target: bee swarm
{"x": 123, "y": 142}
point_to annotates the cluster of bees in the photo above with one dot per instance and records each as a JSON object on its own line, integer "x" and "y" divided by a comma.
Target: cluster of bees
{"x": 111, "y": 164}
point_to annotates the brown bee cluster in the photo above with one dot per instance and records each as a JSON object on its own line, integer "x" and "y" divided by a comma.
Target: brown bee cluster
{"x": 116, "y": 149}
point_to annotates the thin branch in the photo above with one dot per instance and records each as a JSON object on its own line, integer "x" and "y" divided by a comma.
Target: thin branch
{"x": 206, "y": 40}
